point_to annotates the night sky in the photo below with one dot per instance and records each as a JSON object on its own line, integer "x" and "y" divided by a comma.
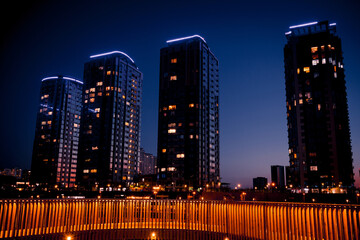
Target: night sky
{"x": 44, "y": 38}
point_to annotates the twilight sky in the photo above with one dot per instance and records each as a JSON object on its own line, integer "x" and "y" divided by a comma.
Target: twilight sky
{"x": 43, "y": 38}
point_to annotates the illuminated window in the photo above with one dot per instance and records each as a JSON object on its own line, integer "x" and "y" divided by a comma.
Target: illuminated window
{"x": 295, "y": 156}
{"x": 164, "y": 150}
{"x": 86, "y": 91}
{"x": 107, "y": 88}
{"x": 99, "y": 94}
{"x": 314, "y": 49}
{"x": 93, "y": 170}
{"x": 323, "y": 61}
{"x": 172, "y": 130}
{"x": 99, "y": 83}
{"x": 191, "y": 136}
{"x": 172, "y": 107}
{"x": 48, "y": 122}
{"x": 75, "y": 125}
{"x": 171, "y": 169}
{"x": 335, "y": 75}
{"x": 315, "y": 62}
{"x": 92, "y": 89}
{"x": 300, "y": 101}
{"x": 334, "y": 68}
{"x": 97, "y": 109}
{"x": 108, "y": 72}
{"x": 86, "y": 171}
{"x": 191, "y": 105}
{"x": 94, "y": 148}
{"x": 298, "y": 71}
{"x": 173, "y": 78}
{"x": 312, "y": 154}
{"x": 322, "y": 48}
{"x": 50, "y": 113}
{"x": 306, "y": 69}
{"x": 313, "y": 168}
{"x": 172, "y": 125}
{"x": 92, "y": 99}
{"x": 180, "y": 155}
{"x": 174, "y": 60}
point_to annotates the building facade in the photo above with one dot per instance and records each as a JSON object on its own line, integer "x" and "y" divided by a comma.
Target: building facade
{"x": 260, "y": 183}
{"x": 188, "y": 127}
{"x": 147, "y": 163}
{"x": 277, "y": 176}
{"x": 317, "y": 111}
{"x": 55, "y": 151}
{"x": 110, "y": 131}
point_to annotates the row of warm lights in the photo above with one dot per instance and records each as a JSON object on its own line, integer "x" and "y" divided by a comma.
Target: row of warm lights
{"x": 152, "y": 236}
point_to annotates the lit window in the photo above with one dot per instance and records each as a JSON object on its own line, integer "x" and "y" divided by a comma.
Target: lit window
{"x": 314, "y": 49}
{"x": 107, "y": 88}
{"x": 173, "y": 78}
{"x": 335, "y": 75}
{"x": 312, "y": 154}
{"x": 163, "y": 169}
{"x": 300, "y": 101}
{"x": 48, "y": 122}
{"x": 164, "y": 150}
{"x": 322, "y": 48}
{"x": 92, "y": 89}
{"x": 50, "y": 113}
{"x": 86, "y": 171}
{"x": 92, "y": 99}
{"x": 306, "y": 69}
{"x": 99, "y": 94}
{"x": 191, "y": 105}
{"x": 108, "y": 72}
{"x": 172, "y": 125}
{"x": 94, "y": 148}
{"x": 315, "y": 62}
{"x": 97, "y": 109}
{"x": 295, "y": 156}
{"x": 99, "y": 83}
{"x": 180, "y": 155}
{"x": 93, "y": 170}
{"x": 172, "y": 130}
{"x": 334, "y": 68}
{"x": 298, "y": 71}
{"x": 171, "y": 169}
{"x": 86, "y": 91}
{"x": 191, "y": 136}
{"x": 172, "y": 107}
{"x": 323, "y": 61}
{"x": 313, "y": 168}
{"x": 75, "y": 125}
{"x": 174, "y": 60}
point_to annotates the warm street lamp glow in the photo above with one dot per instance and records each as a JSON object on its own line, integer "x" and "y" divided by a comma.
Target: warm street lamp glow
{"x": 153, "y": 235}
{"x": 69, "y": 237}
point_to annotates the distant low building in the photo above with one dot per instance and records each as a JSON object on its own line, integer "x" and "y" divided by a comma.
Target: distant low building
{"x": 13, "y": 172}
{"x": 260, "y": 183}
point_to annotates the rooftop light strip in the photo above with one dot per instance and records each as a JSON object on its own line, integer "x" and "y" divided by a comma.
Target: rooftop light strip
{"x": 66, "y": 78}
{"x": 184, "y": 38}
{"x": 113, "y": 52}
{"x": 287, "y": 33}
{"x": 332, "y": 24}
{"x": 303, "y": 25}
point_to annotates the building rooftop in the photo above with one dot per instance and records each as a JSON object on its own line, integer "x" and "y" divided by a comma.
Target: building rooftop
{"x": 310, "y": 28}
{"x": 185, "y": 38}
{"x": 61, "y": 77}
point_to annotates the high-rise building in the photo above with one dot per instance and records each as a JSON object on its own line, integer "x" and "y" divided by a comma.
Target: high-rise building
{"x": 56, "y": 140}
{"x": 188, "y": 130}
{"x": 147, "y": 163}
{"x": 110, "y": 131}
{"x": 277, "y": 176}
{"x": 317, "y": 111}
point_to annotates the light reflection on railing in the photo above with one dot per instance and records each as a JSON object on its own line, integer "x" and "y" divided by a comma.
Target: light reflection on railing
{"x": 235, "y": 220}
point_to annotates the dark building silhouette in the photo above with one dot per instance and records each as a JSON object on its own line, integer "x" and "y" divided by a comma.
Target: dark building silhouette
{"x": 110, "y": 132}
{"x": 317, "y": 111}
{"x": 147, "y": 163}
{"x": 277, "y": 176}
{"x": 188, "y": 130}
{"x": 56, "y": 142}
{"x": 260, "y": 183}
